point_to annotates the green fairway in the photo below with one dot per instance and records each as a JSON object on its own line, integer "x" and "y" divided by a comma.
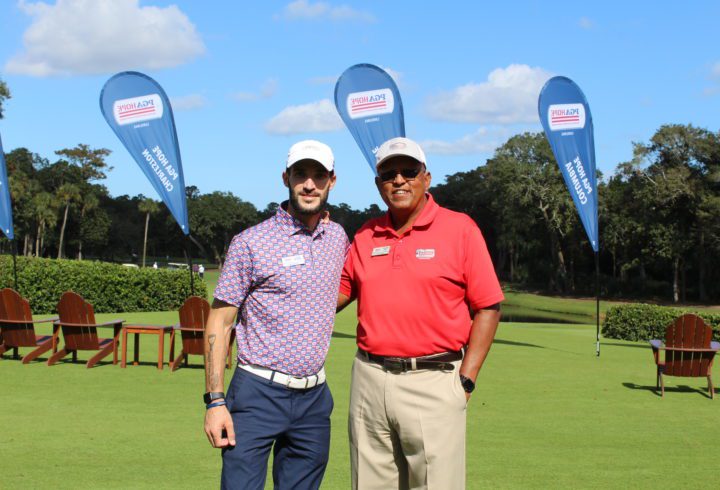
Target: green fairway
{"x": 547, "y": 414}
{"x": 211, "y": 279}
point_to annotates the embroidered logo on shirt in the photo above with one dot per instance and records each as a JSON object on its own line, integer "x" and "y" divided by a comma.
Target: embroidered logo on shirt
{"x": 425, "y": 253}
{"x": 293, "y": 260}
{"x": 380, "y": 251}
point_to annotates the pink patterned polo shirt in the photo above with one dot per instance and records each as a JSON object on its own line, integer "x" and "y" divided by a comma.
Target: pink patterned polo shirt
{"x": 284, "y": 279}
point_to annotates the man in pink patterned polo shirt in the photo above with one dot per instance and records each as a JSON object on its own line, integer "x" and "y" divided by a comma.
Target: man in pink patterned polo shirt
{"x": 280, "y": 280}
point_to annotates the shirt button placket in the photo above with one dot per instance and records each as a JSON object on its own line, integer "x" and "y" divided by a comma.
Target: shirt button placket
{"x": 397, "y": 252}
{"x": 310, "y": 245}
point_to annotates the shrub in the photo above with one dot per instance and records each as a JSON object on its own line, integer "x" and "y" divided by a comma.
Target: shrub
{"x": 641, "y": 322}
{"x": 110, "y": 288}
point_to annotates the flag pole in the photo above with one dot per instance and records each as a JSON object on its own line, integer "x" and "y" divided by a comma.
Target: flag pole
{"x": 188, "y": 258}
{"x": 14, "y": 249}
{"x": 597, "y": 304}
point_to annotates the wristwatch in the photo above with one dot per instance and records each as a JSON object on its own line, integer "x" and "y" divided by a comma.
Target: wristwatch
{"x": 212, "y": 395}
{"x": 467, "y": 384}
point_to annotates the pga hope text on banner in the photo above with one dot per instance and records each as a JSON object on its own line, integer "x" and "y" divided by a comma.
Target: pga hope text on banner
{"x": 565, "y": 116}
{"x": 139, "y": 112}
{"x": 369, "y": 104}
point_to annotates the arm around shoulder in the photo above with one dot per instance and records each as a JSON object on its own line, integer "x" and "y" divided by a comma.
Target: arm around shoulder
{"x": 342, "y": 302}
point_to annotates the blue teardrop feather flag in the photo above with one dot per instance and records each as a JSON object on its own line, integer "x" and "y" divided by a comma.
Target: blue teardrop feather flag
{"x": 566, "y": 119}
{"x": 138, "y": 110}
{"x": 369, "y": 104}
{"x": 6, "y": 221}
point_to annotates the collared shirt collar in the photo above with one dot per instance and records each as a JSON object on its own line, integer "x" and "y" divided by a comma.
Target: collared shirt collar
{"x": 427, "y": 215}
{"x": 291, "y": 226}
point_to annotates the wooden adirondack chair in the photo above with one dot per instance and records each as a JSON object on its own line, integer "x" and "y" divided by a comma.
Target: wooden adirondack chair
{"x": 689, "y": 351}
{"x": 193, "y": 318}
{"x": 17, "y": 327}
{"x": 79, "y": 329}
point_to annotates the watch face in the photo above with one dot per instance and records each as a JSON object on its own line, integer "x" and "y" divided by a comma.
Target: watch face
{"x": 209, "y": 397}
{"x": 467, "y": 384}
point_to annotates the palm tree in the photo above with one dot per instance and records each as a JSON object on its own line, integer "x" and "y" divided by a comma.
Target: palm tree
{"x": 66, "y": 194}
{"x": 44, "y": 207}
{"x": 147, "y": 206}
{"x": 89, "y": 202}
{"x": 22, "y": 190}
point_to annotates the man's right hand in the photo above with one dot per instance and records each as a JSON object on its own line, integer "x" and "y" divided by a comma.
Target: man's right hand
{"x": 217, "y": 420}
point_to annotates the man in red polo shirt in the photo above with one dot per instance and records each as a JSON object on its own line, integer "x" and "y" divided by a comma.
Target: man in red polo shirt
{"x": 428, "y": 308}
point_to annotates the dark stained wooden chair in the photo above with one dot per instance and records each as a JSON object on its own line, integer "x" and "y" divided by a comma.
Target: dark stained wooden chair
{"x": 689, "y": 351}
{"x": 79, "y": 331}
{"x": 193, "y": 318}
{"x": 17, "y": 327}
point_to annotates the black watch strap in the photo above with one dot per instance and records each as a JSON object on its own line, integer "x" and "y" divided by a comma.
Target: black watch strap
{"x": 467, "y": 384}
{"x": 212, "y": 395}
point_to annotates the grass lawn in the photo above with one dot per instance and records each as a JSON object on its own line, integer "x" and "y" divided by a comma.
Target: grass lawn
{"x": 546, "y": 414}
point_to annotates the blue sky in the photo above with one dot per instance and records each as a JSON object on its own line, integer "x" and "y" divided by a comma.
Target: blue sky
{"x": 248, "y": 79}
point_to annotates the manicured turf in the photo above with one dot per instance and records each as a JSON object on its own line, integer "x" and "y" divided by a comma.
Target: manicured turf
{"x": 547, "y": 414}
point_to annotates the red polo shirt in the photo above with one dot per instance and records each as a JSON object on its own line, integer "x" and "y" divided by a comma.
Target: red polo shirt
{"x": 413, "y": 290}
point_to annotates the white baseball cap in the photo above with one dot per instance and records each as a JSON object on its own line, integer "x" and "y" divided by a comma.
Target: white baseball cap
{"x": 311, "y": 150}
{"x": 399, "y": 147}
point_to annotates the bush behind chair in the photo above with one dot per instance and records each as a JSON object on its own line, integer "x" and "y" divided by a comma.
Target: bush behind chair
{"x": 109, "y": 287}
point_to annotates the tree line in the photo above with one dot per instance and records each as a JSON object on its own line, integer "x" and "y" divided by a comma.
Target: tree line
{"x": 659, "y": 215}
{"x": 61, "y": 209}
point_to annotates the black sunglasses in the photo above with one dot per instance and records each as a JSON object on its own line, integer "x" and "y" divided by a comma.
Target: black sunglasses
{"x": 407, "y": 173}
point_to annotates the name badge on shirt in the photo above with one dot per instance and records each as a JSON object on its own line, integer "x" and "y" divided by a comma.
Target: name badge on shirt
{"x": 425, "y": 253}
{"x": 380, "y": 251}
{"x": 293, "y": 260}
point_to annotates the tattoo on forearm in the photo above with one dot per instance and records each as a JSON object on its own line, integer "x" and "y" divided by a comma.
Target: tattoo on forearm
{"x": 212, "y": 376}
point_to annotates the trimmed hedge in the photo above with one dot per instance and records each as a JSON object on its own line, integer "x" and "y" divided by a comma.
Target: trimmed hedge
{"x": 641, "y": 322}
{"x": 110, "y": 288}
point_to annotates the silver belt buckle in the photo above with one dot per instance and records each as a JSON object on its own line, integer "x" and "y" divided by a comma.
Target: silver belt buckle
{"x": 295, "y": 378}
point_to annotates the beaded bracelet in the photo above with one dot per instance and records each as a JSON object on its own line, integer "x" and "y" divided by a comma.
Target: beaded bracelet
{"x": 215, "y": 404}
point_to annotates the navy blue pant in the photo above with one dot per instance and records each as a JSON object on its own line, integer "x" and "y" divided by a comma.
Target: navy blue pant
{"x": 297, "y": 422}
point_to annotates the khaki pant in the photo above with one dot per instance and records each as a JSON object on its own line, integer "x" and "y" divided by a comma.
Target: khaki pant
{"x": 406, "y": 430}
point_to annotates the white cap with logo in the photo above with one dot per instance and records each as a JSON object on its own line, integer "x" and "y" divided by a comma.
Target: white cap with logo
{"x": 399, "y": 147}
{"x": 311, "y": 150}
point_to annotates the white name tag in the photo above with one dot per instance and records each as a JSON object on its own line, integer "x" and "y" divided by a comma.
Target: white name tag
{"x": 293, "y": 260}
{"x": 380, "y": 251}
{"x": 425, "y": 253}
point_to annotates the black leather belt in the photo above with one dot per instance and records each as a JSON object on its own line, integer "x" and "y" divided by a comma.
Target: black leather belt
{"x": 439, "y": 362}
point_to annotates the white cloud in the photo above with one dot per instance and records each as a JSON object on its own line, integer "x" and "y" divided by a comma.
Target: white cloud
{"x": 315, "y": 117}
{"x": 305, "y": 10}
{"x": 103, "y": 36}
{"x": 715, "y": 71}
{"x": 586, "y": 23}
{"x": 188, "y": 102}
{"x": 714, "y": 76}
{"x": 481, "y": 141}
{"x": 395, "y": 75}
{"x": 323, "y": 80}
{"x": 509, "y": 96}
{"x": 331, "y": 80}
{"x": 267, "y": 90}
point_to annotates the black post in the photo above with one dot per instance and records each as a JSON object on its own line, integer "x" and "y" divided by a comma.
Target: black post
{"x": 14, "y": 247}
{"x": 188, "y": 257}
{"x": 597, "y": 304}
